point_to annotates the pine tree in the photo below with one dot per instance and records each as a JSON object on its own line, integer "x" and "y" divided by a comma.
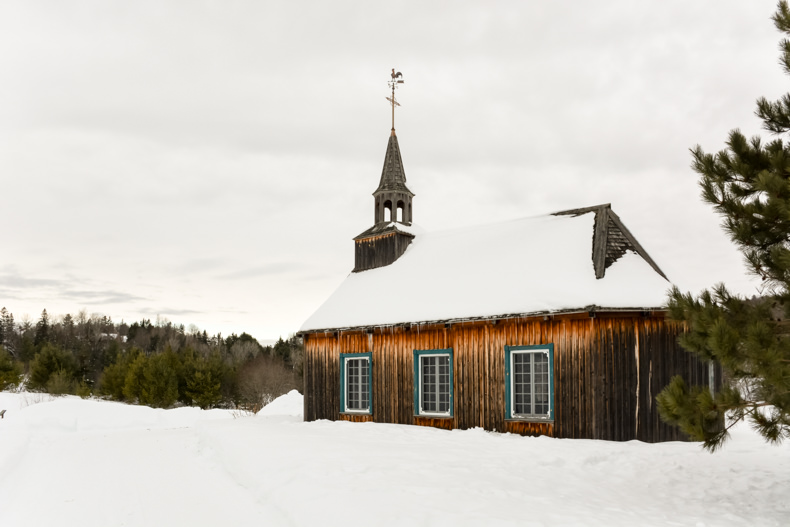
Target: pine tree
{"x": 10, "y": 370}
{"x": 9, "y": 330}
{"x": 160, "y": 380}
{"x": 204, "y": 380}
{"x": 3, "y": 313}
{"x": 49, "y": 361}
{"x": 113, "y": 378}
{"x": 748, "y": 183}
{"x": 42, "y": 330}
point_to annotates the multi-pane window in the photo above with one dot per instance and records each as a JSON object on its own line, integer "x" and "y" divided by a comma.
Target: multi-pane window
{"x": 355, "y": 382}
{"x": 530, "y": 388}
{"x": 433, "y": 382}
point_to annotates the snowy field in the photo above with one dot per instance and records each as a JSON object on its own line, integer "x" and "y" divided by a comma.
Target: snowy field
{"x": 74, "y": 462}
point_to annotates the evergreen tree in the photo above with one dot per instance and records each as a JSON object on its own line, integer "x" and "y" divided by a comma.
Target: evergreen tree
{"x": 42, "y": 330}
{"x": 113, "y": 378}
{"x": 282, "y": 350}
{"x": 748, "y": 183}
{"x": 204, "y": 380}
{"x": 133, "y": 383}
{"x": 3, "y": 313}
{"x": 69, "y": 332}
{"x": 10, "y": 371}
{"x": 49, "y": 361}
{"x": 9, "y": 330}
{"x": 26, "y": 349}
{"x": 160, "y": 380}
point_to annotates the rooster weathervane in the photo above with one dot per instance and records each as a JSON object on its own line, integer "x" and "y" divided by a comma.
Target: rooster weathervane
{"x": 397, "y": 78}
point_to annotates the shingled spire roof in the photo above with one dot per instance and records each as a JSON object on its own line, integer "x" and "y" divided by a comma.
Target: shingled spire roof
{"x": 393, "y": 177}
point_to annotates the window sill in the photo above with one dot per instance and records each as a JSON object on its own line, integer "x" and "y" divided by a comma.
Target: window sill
{"x": 355, "y": 413}
{"x": 531, "y": 419}
{"x": 435, "y": 416}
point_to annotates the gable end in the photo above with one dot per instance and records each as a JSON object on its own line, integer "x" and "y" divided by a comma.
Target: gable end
{"x": 611, "y": 239}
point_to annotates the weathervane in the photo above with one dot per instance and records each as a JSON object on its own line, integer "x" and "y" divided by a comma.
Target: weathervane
{"x": 396, "y": 79}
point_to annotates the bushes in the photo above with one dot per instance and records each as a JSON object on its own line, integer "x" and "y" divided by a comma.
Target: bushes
{"x": 264, "y": 379}
{"x": 61, "y": 383}
{"x": 49, "y": 361}
{"x": 203, "y": 379}
{"x": 113, "y": 379}
{"x": 159, "y": 387}
{"x": 157, "y": 364}
{"x": 207, "y": 381}
{"x": 162, "y": 379}
{"x": 10, "y": 371}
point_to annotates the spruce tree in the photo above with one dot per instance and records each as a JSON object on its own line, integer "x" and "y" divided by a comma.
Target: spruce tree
{"x": 159, "y": 386}
{"x": 49, "y": 361}
{"x": 42, "y": 330}
{"x": 204, "y": 380}
{"x": 748, "y": 184}
{"x": 3, "y": 314}
{"x": 10, "y": 371}
{"x": 9, "y": 330}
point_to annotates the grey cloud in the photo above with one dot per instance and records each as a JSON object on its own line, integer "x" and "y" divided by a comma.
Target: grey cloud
{"x": 168, "y": 311}
{"x": 101, "y": 297}
{"x": 276, "y": 268}
{"x": 16, "y": 281}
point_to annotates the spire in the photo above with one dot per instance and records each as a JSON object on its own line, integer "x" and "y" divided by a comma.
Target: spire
{"x": 393, "y": 177}
{"x": 385, "y": 242}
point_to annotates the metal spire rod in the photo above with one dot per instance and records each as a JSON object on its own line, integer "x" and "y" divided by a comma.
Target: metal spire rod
{"x": 396, "y": 79}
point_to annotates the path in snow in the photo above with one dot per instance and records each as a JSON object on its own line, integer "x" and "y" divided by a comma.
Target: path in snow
{"x": 78, "y": 462}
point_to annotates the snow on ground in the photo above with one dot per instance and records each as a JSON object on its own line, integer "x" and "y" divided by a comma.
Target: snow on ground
{"x": 74, "y": 462}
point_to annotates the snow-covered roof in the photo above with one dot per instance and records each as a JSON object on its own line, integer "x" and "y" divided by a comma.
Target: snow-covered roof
{"x": 534, "y": 265}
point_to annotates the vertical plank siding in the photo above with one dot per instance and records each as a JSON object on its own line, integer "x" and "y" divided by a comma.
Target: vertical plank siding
{"x": 608, "y": 370}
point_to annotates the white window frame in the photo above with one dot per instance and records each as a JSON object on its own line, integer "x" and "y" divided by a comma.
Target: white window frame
{"x": 418, "y": 382}
{"x": 345, "y": 359}
{"x": 511, "y": 353}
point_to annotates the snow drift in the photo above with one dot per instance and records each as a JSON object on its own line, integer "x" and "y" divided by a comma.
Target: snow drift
{"x": 74, "y": 462}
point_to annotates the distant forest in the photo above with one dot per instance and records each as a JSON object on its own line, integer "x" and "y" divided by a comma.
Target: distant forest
{"x": 157, "y": 364}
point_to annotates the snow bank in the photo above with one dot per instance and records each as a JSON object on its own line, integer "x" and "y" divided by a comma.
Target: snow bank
{"x": 291, "y": 404}
{"x": 73, "y": 462}
{"x": 71, "y": 413}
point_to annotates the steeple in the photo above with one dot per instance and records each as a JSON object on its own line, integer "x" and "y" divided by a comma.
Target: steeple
{"x": 393, "y": 197}
{"x": 384, "y": 243}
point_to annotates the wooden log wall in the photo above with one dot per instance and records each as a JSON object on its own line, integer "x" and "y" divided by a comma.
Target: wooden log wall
{"x": 379, "y": 251}
{"x": 607, "y": 371}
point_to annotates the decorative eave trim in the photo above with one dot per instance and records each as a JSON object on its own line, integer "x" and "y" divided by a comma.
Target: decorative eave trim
{"x": 391, "y": 230}
{"x": 591, "y": 311}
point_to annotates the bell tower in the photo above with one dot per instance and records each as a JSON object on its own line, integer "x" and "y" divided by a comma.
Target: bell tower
{"x": 387, "y": 240}
{"x": 393, "y": 197}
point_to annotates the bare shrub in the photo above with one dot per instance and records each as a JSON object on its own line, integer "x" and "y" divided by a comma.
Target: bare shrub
{"x": 61, "y": 383}
{"x": 262, "y": 380}
{"x": 243, "y": 350}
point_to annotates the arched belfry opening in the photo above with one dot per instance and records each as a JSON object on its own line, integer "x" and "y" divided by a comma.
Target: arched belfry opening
{"x": 385, "y": 242}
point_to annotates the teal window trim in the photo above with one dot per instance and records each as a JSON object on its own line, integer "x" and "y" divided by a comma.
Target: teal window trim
{"x": 509, "y": 352}
{"x": 418, "y": 382}
{"x": 343, "y": 358}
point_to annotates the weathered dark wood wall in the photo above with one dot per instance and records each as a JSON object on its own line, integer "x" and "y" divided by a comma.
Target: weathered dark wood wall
{"x": 379, "y": 251}
{"x": 607, "y": 372}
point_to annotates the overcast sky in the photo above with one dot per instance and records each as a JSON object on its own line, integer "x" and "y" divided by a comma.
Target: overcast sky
{"x": 210, "y": 162}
